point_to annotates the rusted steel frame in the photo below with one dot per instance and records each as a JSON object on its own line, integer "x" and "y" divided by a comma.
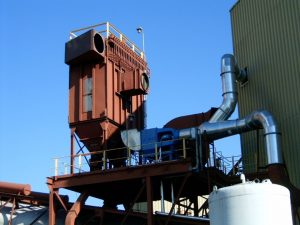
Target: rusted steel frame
{"x": 177, "y": 197}
{"x": 52, "y": 208}
{"x": 80, "y": 149}
{"x": 132, "y": 203}
{"x": 204, "y": 207}
{"x": 149, "y": 201}
{"x": 121, "y": 174}
{"x": 76, "y": 208}
{"x": 187, "y": 208}
{"x": 61, "y": 201}
{"x": 12, "y": 212}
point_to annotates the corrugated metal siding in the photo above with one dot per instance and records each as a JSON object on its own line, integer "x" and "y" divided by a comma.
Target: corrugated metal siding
{"x": 266, "y": 36}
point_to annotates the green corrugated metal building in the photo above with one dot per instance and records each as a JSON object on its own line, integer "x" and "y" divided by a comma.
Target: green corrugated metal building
{"x": 266, "y": 37}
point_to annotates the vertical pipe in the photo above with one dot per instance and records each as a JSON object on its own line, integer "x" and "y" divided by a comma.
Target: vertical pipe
{"x": 228, "y": 74}
{"x": 162, "y": 194}
{"x": 72, "y": 151}
{"x": 172, "y": 196}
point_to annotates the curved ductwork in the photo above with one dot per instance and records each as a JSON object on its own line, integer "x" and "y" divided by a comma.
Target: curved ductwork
{"x": 229, "y": 72}
{"x": 256, "y": 120}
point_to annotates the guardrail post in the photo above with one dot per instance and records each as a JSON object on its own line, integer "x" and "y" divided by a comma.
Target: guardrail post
{"x": 104, "y": 161}
{"x": 55, "y": 167}
{"x": 233, "y": 167}
{"x": 129, "y": 156}
{"x": 79, "y": 162}
{"x": 184, "y": 148}
{"x": 107, "y": 29}
{"x": 156, "y": 152}
{"x": 66, "y": 168}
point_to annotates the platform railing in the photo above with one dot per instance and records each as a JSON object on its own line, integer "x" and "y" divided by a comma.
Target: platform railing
{"x": 120, "y": 157}
{"x": 228, "y": 165}
{"x": 107, "y": 29}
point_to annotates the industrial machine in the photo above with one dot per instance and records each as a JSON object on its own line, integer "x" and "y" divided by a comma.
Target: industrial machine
{"x": 108, "y": 80}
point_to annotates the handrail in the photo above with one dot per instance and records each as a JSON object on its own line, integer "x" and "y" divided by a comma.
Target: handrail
{"x": 136, "y": 158}
{"x": 108, "y": 29}
{"x": 131, "y": 158}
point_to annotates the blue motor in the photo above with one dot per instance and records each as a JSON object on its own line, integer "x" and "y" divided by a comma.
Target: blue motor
{"x": 152, "y": 144}
{"x": 164, "y": 140}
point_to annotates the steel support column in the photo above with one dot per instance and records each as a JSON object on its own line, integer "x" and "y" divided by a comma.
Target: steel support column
{"x": 149, "y": 200}
{"x": 52, "y": 206}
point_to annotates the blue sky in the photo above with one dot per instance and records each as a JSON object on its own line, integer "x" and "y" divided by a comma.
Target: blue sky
{"x": 184, "y": 41}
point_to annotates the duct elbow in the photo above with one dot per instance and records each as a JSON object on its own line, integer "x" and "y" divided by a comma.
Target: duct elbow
{"x": 228, "y": 74}
{"x": 263, "y": 119}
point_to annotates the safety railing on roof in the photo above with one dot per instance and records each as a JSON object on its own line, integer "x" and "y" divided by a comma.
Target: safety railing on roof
{"x": 107, "y": 29}
{"x": 119, "y": 157}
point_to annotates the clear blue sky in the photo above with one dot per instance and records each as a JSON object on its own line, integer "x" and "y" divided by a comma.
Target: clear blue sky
{"x": 184, "y": 41}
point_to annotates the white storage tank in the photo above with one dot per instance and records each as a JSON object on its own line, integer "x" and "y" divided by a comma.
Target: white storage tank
{"x": 250, "y": 203}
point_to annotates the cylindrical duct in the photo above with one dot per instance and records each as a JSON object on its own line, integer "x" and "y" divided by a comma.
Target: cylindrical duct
{"x": 256, "y": 120}
{"x": 250, "y": 203}
{"x": 13, "y": 188}
{"x": 228, "y": 75}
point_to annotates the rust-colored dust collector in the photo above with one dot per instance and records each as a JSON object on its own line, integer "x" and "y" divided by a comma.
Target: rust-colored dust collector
{"x": 107, "y": 84}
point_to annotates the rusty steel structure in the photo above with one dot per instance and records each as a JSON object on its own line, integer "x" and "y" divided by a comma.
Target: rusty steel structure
{"x": 107, "y": 83}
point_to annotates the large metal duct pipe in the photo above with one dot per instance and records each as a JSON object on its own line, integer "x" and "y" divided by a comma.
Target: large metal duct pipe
{"x": 229, "y": 72}
{"x": 13, "y": 188}
{"x": 256, "y": 120}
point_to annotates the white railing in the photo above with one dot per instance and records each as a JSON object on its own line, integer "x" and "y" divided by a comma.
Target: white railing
{"x": 107, "y": 29}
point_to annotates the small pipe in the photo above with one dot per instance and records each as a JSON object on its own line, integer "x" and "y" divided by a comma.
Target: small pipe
{"x": 162, "y": 196}
{"x": 172, "y": 197}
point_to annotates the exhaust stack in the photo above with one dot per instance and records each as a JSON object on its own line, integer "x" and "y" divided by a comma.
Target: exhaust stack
{"x": 229, "y": 72}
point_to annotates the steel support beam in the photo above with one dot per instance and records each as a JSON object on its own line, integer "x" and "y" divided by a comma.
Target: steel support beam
{"x": 76, "y": 208}
{"x": 149, "y": 201}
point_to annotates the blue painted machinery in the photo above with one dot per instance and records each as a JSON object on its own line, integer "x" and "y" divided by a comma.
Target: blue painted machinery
{"x": 152, "y": 144}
